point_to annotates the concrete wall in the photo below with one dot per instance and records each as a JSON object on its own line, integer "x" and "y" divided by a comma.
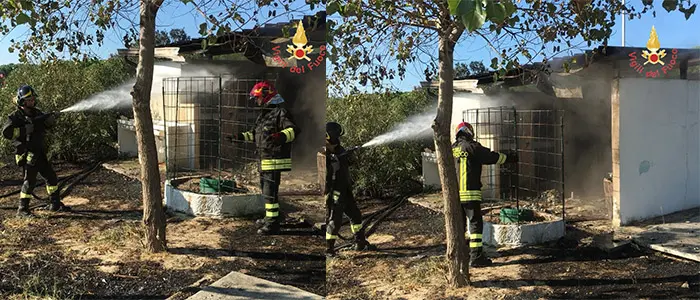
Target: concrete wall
{"x": 656, "y": 142}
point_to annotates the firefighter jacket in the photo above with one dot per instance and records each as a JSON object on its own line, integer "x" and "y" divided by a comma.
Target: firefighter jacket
{"x": 26, "y": 145}
{"x": 471, "y": 156}
{"x": 338, "y": 179}
{"x": 274, "y": 119}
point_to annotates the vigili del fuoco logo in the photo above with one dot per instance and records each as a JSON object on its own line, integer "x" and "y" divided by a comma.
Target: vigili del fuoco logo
{"x": 654, "y": 58}
{"x": 299, "y": 50}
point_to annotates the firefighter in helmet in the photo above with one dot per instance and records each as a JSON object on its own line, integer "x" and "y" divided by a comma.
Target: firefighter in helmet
{"x": 471, "y": 156}
{"x": 338, "y": 192}
{"x": 273, "y": 134}
{"x": 26, "y": 127}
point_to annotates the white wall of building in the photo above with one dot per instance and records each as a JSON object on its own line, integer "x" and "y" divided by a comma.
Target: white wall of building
{"x": 463, "y": 101}
{"x": 161, "y": 70}
{"x": 659, "y": 142}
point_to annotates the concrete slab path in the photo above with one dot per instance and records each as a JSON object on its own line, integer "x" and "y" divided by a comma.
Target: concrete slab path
{"x": 681, "y": 239}
{"x": 235, "y": 286}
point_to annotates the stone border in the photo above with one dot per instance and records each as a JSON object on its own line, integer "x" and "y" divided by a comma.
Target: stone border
{"x": 518, "y": 235}
{"x": 216, "y": 206}
{"x": 512, "y": 235}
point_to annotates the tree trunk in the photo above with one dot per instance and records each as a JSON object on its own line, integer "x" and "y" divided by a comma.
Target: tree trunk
{"x": 153, "y": 215}
{"x": 457, "y": 254}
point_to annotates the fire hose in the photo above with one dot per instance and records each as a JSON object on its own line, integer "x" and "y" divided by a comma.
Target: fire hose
{"x": 61, "y": 183}
{"x": 380, "y": 216}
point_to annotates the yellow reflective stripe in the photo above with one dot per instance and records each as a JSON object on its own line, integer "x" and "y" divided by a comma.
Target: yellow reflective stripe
{"x": 355, "y": 227}
{"x": 289, "y": 132}
{"x": 475, "y": 236}
{"x": 15, "y": 133}
{"x": 248, "y": 136}
{"x": 462, "y": 176}
{"x": 18, "y": 157}
{"x": 462, "y": 155}
{"x": 30, "y": 156}
{"x": 24, "y": 195}
{"x": 336, "y": 195}
{"x": 51, "y": 189}
{"x": 272, "y": 205}
{"x": 276, "y": 164}
{"x": 272, "y": 213}
{"x": 465, "y": 196}
{"x": 476, "y": 244}
{"x": 501, "y": 158}
{"x": 331, "y": 237}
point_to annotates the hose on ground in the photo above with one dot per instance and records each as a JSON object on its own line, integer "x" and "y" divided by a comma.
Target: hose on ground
{"x": 381, "y": 215}
{"x": 81, "y": 175}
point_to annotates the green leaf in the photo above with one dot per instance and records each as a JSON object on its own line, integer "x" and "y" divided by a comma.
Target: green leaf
{"x": 453, "y": 4}
{"x": 689, "y": 11}
{"x": 494, "y": 63}
{"x": 510, "y": 7}
{"x": 670, "y": 5}
{"x": 186, "y": 1}
{"x": 647, "y": 2}
{"x": 332, "y": 8}
{"x": 496, "y": 12}
{"x": 203, "y": 29}
{"x": 475, "y": 16}
{"x": 22, "y": 18}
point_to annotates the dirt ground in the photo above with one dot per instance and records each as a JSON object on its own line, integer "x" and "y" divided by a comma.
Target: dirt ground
{"x": 95, "y": 251}
{"x": 410, "y": 264}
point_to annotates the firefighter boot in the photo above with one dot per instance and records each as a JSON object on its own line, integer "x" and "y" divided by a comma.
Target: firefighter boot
{"x": 58, "y": 206}
{"x": 330, "y": 248}
{"x": 478, "y": 259}
{"x": 270, "y": 228}
{"x": 23, "y": 209}
{"x": 361, "y": 242}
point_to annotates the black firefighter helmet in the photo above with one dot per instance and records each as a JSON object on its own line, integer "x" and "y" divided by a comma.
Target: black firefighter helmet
{"x": 333, "y": 132}
{"x": 24, "y": 92}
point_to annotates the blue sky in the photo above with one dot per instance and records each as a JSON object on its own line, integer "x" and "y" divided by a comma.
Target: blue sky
{"x": 173, "y": 14}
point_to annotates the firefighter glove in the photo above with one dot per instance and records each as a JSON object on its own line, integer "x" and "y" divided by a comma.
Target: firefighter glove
{"x": 512, "y": 156}
{"x": 278, "y": 138}
{"x": 51, "y": 119}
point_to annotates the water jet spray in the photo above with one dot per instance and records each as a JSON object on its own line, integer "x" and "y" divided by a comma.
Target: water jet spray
{"x": 416, "y": 127}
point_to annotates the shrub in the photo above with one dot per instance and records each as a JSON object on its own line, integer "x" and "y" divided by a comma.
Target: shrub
{"x": 385, "y": 169}
{"x": 60, "y": 85}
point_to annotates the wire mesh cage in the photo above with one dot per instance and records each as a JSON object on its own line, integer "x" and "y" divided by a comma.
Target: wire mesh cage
{"x": 202, "y": 116}
{"x": 537, "y": 137}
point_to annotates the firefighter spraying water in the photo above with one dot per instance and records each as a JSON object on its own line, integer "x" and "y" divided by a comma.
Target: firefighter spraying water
{"x": 27, "y": 127}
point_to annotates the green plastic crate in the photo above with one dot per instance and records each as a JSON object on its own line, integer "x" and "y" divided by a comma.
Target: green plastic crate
{"x": 512, "y": 215}
{"x": 211, "y": 185}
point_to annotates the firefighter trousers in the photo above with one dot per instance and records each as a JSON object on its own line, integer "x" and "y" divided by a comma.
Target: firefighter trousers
{"x": 339, "y": 203}
{"x": 270, "y": 186}
{"x": 39, "y": 165}
{"x": 471, "y": 211}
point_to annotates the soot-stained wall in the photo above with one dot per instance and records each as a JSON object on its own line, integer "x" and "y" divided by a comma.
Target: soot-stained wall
{"x": 304, "y": 94}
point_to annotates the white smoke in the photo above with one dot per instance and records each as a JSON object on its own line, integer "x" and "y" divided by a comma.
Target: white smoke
{"x": 415, "y": 127}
